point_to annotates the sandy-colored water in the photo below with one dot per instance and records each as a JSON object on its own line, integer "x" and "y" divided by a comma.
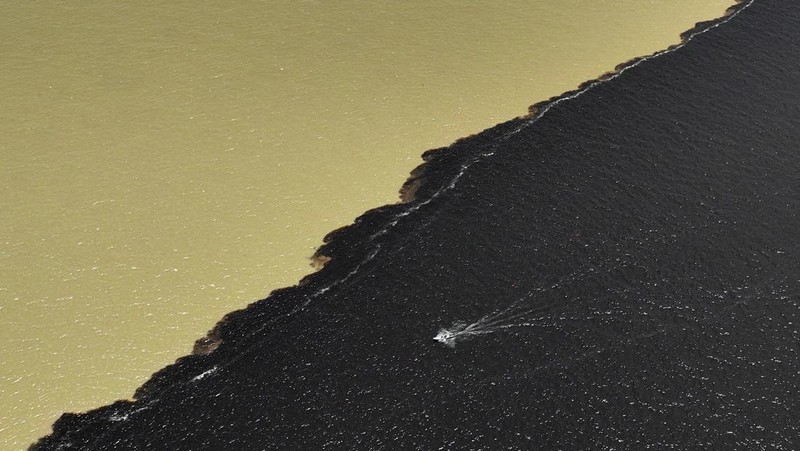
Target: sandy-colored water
{"x": 164, "y": 163}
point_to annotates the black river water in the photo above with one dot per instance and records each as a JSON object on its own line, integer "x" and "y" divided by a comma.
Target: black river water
{"x": 618, "y": 270}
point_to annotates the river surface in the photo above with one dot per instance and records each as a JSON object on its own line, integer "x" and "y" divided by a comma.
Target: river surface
{"x": 618, "y": 271}
{"x": 165, "y": 163}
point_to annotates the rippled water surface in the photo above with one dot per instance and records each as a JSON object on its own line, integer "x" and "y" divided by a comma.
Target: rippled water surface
{"x": 165, "y": 163}
{"x": 618, "y": 271}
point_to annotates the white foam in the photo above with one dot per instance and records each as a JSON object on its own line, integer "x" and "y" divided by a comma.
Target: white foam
{"x": 205, "y": 374}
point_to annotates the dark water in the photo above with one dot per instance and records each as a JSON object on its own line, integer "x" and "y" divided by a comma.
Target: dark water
{"x": 620, "y": 273}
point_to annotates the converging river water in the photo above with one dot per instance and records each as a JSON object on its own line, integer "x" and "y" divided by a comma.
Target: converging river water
{"x": 166, "y": 163}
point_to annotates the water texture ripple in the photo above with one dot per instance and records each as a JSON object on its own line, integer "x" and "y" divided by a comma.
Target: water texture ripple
{"x": 616, "y": 271}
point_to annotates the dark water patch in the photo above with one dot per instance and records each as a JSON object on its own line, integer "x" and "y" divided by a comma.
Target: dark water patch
{"x": 626, "y": 267}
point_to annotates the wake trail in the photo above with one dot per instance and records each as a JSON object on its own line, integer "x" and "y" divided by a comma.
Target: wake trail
{"x": 490, "y": 324}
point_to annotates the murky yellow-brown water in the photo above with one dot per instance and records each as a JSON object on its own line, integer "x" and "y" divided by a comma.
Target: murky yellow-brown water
{"x": 164, "y": 163}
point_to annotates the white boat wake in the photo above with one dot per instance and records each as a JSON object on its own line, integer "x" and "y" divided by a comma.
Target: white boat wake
{"x": 490, "y": 323}
{"x": 527, "y": 312}
{"x": 509, "y": 317}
